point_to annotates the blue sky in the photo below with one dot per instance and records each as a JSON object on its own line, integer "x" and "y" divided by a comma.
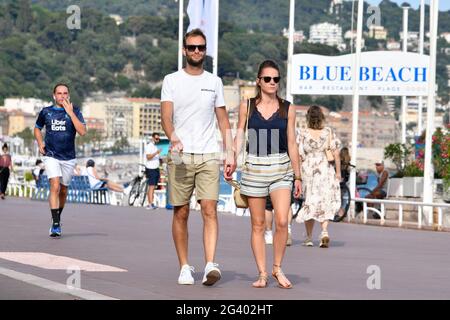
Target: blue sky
{"x": 443, "y": 4}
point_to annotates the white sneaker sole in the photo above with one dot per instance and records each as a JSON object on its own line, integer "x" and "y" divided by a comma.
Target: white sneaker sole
{"x": 185, "y": 282}
{"x": 212, "y": 277}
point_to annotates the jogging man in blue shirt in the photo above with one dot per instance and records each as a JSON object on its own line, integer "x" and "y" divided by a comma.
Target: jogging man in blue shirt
{"x": 62, "y": 121}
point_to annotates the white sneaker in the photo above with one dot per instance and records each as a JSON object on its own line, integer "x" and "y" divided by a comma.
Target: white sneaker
{"x": 308, "y": 242}
{"x": 289, "y": 239}
{"x": 212, "y": 274}
{"x": 186, "y": 275}
{"x": 268, "y": 237}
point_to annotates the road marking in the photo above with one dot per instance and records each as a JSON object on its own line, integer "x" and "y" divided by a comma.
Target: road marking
{"x": 54, "y": 286}
{"x": 52, "y": 262}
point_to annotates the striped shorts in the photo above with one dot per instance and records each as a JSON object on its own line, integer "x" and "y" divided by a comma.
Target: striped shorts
{"x": 263, "y": 174}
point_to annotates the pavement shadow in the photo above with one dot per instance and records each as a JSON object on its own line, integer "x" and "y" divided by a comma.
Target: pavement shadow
{"x": 72, "y": 235}
{"x": 296, "y": 243}
{"x": 228, "y": 276}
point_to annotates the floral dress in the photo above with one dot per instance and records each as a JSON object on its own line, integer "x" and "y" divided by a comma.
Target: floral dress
{"x": 320, "y": 187}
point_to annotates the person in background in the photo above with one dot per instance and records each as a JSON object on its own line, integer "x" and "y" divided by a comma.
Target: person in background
{"x": 62, "y": 121}
{"x": 152, "y": 168}
{"x": 96, "y": 182}
{"x": 6, "y": 167}
{"x": 380, "y": 191}
{"x": 38, "y": 170}
{"x": 320, "y": 178}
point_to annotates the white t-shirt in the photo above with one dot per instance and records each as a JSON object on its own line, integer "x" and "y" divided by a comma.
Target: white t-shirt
{"x": 194, "y": 101}
{"x": 153, "y": 163}
{"x": 93, "y": 181}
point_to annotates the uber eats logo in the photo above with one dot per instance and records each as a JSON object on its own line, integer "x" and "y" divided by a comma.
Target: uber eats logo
{"x": 58, "y": 125}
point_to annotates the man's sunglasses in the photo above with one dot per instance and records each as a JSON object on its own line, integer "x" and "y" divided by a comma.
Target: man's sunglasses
{"x": 267, "y": 79}
{"x": 192, "y": 47}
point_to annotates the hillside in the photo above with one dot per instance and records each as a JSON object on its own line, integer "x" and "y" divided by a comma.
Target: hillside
{"x": 36, "y": 48}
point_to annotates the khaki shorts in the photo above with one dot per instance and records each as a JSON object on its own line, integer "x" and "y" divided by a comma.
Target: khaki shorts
{"x": 193, "y": 171}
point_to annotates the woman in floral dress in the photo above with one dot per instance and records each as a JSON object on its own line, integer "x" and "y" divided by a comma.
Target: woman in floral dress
{"x": 320, "y": 178}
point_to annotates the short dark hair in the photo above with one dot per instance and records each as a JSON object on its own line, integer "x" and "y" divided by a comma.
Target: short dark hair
{"x": 155, "y": 134}
{"x": 5, "y": 146}
{"x": 90, "y": 163}
{"x": 193, "y": 33}
{"x": 38, "y": 162}
{"x": 60, "y": 84}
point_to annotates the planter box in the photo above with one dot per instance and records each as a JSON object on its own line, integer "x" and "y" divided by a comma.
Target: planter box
{"x": 406, "y": 187}
{"x": 413, "y": 187}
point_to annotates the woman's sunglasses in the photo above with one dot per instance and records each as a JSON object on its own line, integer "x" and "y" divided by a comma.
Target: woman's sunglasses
{"x": 267, "y": 79}
{"x": 192, "y": 47}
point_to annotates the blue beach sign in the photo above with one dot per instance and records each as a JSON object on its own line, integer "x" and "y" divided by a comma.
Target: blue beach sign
{"x": 381, "y": 73}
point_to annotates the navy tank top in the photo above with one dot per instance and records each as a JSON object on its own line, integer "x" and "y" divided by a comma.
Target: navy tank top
{"x": 269, "y": 136}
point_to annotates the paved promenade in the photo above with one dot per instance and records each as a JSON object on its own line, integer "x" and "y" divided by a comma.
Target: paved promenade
{"x": 128, "y": 253}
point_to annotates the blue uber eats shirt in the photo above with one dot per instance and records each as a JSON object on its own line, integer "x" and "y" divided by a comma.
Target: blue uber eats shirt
{"x": 59, "y": 132}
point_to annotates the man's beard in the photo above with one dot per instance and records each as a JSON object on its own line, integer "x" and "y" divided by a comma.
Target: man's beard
{"x": 195, "y": 63}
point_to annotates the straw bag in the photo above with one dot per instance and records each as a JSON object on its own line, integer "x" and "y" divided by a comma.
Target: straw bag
{"x": 328, "y": 152}
{"x": 240, "y": 200}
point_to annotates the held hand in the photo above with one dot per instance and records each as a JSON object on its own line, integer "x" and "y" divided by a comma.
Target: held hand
{"x": 338, "y": 177}
{"x": 297, "y": 189}
{"x": 229, "y": 167}
{"x": 68, "y": 106}
{"x": 159, "y": 151}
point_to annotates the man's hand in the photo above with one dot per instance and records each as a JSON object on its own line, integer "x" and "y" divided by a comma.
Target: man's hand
{"x": 42, "y": 149}
{"x": 229, "y": 165}
{"x": 175, "y": 143}
{"x": 68, "y": 106}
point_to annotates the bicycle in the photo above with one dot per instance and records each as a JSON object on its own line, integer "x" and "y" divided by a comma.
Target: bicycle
{"x": 139, "y": 187}
{"x": 345, "y": 191}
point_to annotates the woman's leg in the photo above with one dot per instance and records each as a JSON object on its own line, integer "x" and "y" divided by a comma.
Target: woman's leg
{"x": 324, "y": 226}
{"x": 4, "y": 177}
{"x": 281, "y": 199}
{"x": 114, "y": 186}
{"x": 257, "y": 214}
{"x": 309, "y": 225}
{"x": 324, "y": 238}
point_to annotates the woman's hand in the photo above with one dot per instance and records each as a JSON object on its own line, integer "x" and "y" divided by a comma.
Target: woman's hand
{"x": 297, "y": 189}
{"x": 338, "y": 177}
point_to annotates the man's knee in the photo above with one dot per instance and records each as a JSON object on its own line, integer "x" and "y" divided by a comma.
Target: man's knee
{"x": 181, "y": 212}
{"x": 209, "y": 208}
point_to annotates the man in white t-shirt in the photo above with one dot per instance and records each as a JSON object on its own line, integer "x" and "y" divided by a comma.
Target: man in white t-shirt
{"x": 152, "y": 167}
{"x": 191, "y": 99}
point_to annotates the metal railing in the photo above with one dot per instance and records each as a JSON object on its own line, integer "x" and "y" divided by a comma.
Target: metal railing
{"x": 382, "y": 211}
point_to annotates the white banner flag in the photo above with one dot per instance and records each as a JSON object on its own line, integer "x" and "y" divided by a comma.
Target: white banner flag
{"x": 202, "y": 15}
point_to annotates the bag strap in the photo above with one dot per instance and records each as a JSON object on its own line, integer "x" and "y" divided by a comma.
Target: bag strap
{"x": 246, "y": 133}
